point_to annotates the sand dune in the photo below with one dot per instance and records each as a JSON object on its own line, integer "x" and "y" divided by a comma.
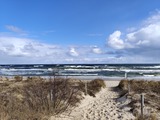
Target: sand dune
{"x": 102, "y": 107}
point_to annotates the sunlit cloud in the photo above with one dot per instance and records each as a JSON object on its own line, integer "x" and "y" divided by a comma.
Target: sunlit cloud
{"x": 115, "y": 41}
{"x": 143, "y": 41}
{"x": 131, "y": 46}
{"x": 96, "y": 50}
{"x": 25, "y": 47}
{"x": 72, "y": 52}
{"x": 24, "y": 50}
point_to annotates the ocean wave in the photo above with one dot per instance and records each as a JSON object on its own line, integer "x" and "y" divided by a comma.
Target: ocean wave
{"x": 82, "y": 70}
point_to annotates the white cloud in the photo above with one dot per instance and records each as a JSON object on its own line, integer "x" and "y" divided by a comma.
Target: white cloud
{"x": 143, "y": 42}
{"x": 26, "y": 47}
{"x": 96, "y": 50}
{"x": 137, "y": 45}
{"x": 154, "y": 18}
{"x": 24, "y": 50}
{"x": 115, "y": 41}
{"x": 73, "y": 52}
{"x": 147, "y": 35}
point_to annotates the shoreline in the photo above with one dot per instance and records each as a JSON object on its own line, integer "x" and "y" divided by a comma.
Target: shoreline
{"x": 106, "y": 78}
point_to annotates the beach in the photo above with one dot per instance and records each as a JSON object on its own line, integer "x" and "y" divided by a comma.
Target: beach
{"x": 99, "y": 99}
{"x": 80, "y": 60}
{"x": 102, "y": 107}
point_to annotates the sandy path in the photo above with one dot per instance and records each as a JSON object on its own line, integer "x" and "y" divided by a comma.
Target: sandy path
{"x": 102, "y": 107}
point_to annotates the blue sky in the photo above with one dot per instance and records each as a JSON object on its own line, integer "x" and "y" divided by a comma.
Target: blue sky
{"x": 79, "y": 31}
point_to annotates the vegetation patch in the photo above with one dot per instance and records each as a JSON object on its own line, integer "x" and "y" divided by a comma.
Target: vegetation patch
{"x": 38, "y": 99}
{"x": 95, "y": 86}
{"x": 151, "y": 91}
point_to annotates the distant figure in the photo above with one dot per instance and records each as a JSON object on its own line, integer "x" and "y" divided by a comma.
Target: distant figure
{"x": 126, "y": 75}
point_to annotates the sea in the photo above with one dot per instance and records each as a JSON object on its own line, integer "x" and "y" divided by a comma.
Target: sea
{"x": 84, "y": 71}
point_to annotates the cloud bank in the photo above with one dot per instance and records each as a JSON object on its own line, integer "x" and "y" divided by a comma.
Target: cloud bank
{"x": 142, "y": 43}
{"x": 137, "y": 45}
{"x": 25, "y": 50}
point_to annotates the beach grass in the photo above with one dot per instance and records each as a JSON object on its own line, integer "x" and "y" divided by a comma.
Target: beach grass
{"x": 151, "y": 91}
{"x": 37, "y": 99}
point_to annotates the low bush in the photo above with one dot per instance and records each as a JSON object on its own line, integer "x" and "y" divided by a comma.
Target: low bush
{"x": 95, "y": 86}
{"x": 18, "y": 78}
{"x": 36, "y": 99}
{"x": 140, "y": 86}
{"x": 123, "y": 84}
{"x": 152, "y": 94}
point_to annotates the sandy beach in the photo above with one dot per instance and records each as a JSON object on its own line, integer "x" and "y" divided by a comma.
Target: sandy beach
{"x": 104, "y": 101}
{"x": 102, "y": 107}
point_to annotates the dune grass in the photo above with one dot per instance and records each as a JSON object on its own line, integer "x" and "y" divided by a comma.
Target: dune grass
{"x": 147, "y": 117}
{"x": 141, "y": 86}
{"x": 95, "y": 86}
{"x": 37, "y": 99}
{"x": 151, "y": 89}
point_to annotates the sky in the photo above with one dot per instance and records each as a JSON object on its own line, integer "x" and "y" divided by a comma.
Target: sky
{"x": 79, "y": 31}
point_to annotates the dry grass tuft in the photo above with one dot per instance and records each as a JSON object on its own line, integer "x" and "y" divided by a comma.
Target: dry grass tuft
{"x": 151, "y": 89}
{"x": 141, "y": 86}
{"x": 147, "y": 117}
{"x": 95, "y": 86}
{"x": 37, "y": 99}
{"x": 18, "y": 78}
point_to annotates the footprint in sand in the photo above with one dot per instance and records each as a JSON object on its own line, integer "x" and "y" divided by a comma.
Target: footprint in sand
{"x": 102, "y": 107}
